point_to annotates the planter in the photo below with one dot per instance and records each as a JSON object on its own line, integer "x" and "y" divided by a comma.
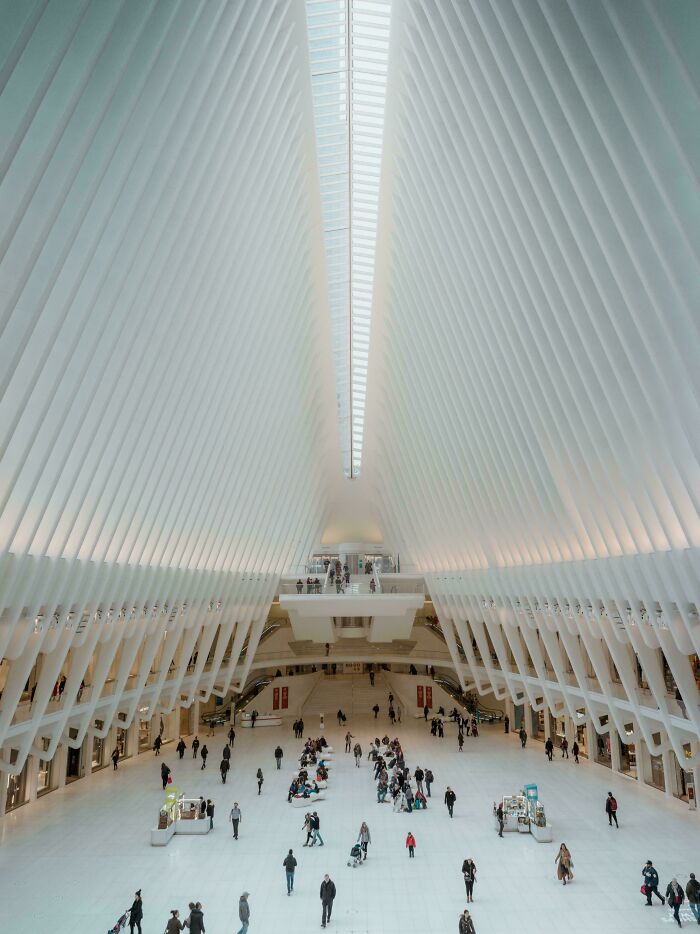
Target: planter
{"x": 523, "y": 827}
{"x": 541, "y": 834}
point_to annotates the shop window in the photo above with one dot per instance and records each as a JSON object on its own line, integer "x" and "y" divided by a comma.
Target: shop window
{"x": 121, "y": 742}
{"x": 74, "y": 759}
{"x": 16, "y": 786}
{"x": 45, "y": 768}
{"x": 98, "y": 748}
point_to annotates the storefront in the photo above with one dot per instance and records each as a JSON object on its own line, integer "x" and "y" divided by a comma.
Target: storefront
{"x": 582, "y": 739}
{"x": 44, "y": 774}
{"x": 144, "y": 732}
{"x": 16, "y": 785}
{"x": 75, "y": 768}
{"x": 121, "y": 743}
{"x": 186, "y": 720}
{"x": 603, "y": 754}
{"x": 98, "y": 748}
{"x": 628, "y": 756}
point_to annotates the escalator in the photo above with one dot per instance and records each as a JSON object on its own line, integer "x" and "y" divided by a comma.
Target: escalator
{"x": 224, "y": 714}
{"x": 470, "y": 701}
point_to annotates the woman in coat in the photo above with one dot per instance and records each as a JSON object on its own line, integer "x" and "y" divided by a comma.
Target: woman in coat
{"x": 196, "y": 919}
{"x": 364, "y": 838}
{"x": 259, "y": 776}
{"x": 164, "y": 773}
{"x": 136, "y": 913}
{"x": 466, "y": 925}
{"x": 174, "y": 924}
{"x": 563, "y": 858}
{"x": 469, "y": 873}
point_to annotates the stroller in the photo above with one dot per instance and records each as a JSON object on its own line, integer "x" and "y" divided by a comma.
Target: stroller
{"x": 121, "y": 923}
{"x": 355, "y": 856}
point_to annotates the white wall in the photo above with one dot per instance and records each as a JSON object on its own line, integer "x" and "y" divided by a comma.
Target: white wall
{"x": 299, "y": 687}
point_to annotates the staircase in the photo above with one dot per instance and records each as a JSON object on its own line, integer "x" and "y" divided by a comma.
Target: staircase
{"x": 352, "y": 694}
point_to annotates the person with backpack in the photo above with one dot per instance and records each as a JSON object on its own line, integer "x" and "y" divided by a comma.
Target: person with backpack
{"x": 611, "y": 809}
{"x": 692, "y": 891}
{"x": 466, "y": 925}
{"x": 469, "y": 873}
{"x": 651, "y": 883}
{"x": 278, "y": 756}
{"x": 290, "y": 864}
{"x": 450, "y": 798}
{"x": 675, "y": 897}
{"x": 428, "y": 780}
{"x": 411, "y": 845}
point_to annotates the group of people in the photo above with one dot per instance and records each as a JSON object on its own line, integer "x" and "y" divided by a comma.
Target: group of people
{"x": 312, "y": 585}
{"x": 298, "y": 728}
{"x": 675, "y": 894}
{"x": 195, "y": 919}
{"x": 393, "y": 777}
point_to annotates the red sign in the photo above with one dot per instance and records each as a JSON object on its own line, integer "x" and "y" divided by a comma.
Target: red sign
{"x": 429, "y": 697}
{"x": 419, "y": 695}
{"x": 285, "y": 698}
{"x": 275, "y": 698}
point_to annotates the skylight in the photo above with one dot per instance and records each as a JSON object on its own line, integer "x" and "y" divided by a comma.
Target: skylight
{"x": 349, "y": 44}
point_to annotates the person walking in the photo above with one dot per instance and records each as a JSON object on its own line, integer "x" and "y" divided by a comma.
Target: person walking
{"x": 157, "y": 743}
{"x": 278, "y": 756}
{"x": 549, "y": 748}
{"x": 428, "y": 780}
{"x": 195, "y": 922}
{"x": 371, "y": 678}
{"x": 523, "y": 736}
{"x": 692, "y": 891}
{"x": 327, "y": 898}
{"x": 203, "y": 755}
{"x": 611, "y": 810}
{"x": 290, "y": 864}
{"x": 164, "y": 773}
{"x": 499, "y": 818}
{"x": 224, "y": 766}
{"x": 210, "y": 813}
{"x": 115, "y": 758}
{"x": 565, "y": 864}
{"x": 231, "y": 737}
{"x": 364, "y": 838}
{"x": 316, "y": 828}
{"x": 174, "y": 924}
{"x": 308, "y": 826}
{"x": 348, "y": 737}
{"x": 411, "y": 845}
{"x": 376, "y": 711}
{"x": 564, "y": 748}
{"x": 450, "y": 798}
{"x": 195, "y": 747}
{"x": 226, "y": 754}
{"x": 466, "y": 925}
{"x": 506, "y": 724}
{"x": 235, "y": 818}
{"x": 136, "y": 913}
{"x": 181, "y": 748}
{"x": 675, "y": 897}
{"x": 244, "y": 912}
{"x": 460, "y": 741}
{"x": 358, "y": 754}
{"x": 575, "y": 751}
{"x": 469, "y": 873}
{"x": 259, "y": 776}
{"x": 651, "y": 883}
{"x": 426, "y": 711}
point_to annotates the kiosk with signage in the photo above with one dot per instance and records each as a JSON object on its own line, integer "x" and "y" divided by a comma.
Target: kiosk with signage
{"x": 524, "y": 813}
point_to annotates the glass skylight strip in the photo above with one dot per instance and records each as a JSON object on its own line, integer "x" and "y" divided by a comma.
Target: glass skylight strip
{"x": 349, "y": 45}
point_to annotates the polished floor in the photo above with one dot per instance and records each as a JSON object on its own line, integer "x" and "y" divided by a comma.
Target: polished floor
{"x": 70, "y": 863}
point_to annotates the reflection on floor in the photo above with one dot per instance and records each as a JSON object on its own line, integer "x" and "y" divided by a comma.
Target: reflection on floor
{"x": 71, "y": 863}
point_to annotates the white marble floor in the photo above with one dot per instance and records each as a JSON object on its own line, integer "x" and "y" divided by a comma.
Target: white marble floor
{"x": 71, "y": 863}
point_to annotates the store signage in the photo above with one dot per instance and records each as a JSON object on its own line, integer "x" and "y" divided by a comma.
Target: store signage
{"x": 275, "y": 698}
{"x": 419, "y": 696}
{"x": 285, "y": 698}
{"x": 429, "y": 697}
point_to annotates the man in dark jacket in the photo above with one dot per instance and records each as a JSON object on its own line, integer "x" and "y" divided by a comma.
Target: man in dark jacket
{"x": 136, "y": 913}
{"x": 428, "y": 780}
{"x": 450, "y": 798}
{"x": 223, "y": 768}
{"x": 675, "y": 898}
{"x": 651, "y": 883}
{"x": 523, "y": 736}
{"x": 226, "y": 754}
{"x": 549, "y": 748}
{"x": 195, "y": 747}
{"x": 164, "y": 772}
{"x": 244, "y": 912}
{"x": 611, "y": 809}
{"x": 278, "y": 756}
{"x": 290, "y": 864}
{"x": 327, "y": 896}
{"x": 692, "y": 891}
{"x": 181, "y": 748}
{"x": 196, "y": 920}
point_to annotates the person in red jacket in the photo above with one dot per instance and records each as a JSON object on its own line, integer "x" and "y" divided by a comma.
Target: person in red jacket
{"x": 611, "y": 809}
{"x": 411, "y": 844}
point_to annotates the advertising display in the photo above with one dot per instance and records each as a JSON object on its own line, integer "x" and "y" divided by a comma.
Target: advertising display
{"x": 429, "y": 697}
{"x": 419, "y": 696}
{"x": 285, "y": 698}
{"x": 275, "y": 698}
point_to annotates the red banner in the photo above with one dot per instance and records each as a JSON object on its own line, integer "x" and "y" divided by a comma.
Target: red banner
{"x": 275, "y": 698}
{"x": 429, "y": 697}
{"x": 419, "y": 696}
{"x": 285, "y": 698}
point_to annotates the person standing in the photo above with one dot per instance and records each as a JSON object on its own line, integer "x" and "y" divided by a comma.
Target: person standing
{"x": 426, "y": 711}
{"x": 316, "y": 827}
{"x": 210, "y": 813}
{"x": 290, "y": 864}
{"x": 523, "y": 736}
{"x": 348, "y": 737}
{"x": 195, "y": 921}
{"x": 203, "y": 755}
{"x": 563, "y": 858}
{"x": 327, "y": 897}
{"x": 692, "y": 891}
{"x": 231, "y": 737}
{"x": 195, "y": 747}
{"x": 469, "y": 873}
{"x": 466, "y": 925}
{"x": 358, "y": 754}
{"x": 506, "y": 724}
{"x": 115, "y": 758}
{"x": 364, "y": 838}
{"x": 411, "y": 844}
{"x": 428, "y": 780}
{"x": 244, "y": 912}
{"x": 181, "y": 748}
{"x": 651, "y": 883}
{"x": 499, "y": 818}
{"x": 675, "y": 897}
{"x": 157, "y": 743}
{"x": 575, "y": 751}
{"x": 460, "y": 741}
{"x": 174, "y": 924}
{"x": 278, "y": 756}
{"x": 164, "y": 773}
{"x": 259, "y": 776}
{"x": 565, "y": 748}
{"x": 549, "y": 748}
{"x": 136, "y": 913}
{"x": 450, "y": 798}
{"x": 419, "y": 775}
{"x": 371, "y": 677}
{"x": 224, "y": 766}
{"x": 611, "y": 809}
{"x": 235, "y": 818}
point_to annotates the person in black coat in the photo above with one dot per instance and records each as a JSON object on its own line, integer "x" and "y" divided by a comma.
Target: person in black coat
{"x": 223, "y": 768}
{"x": 204, "y": 754}
{"x": 450, "y": 798}
{"x": 181, "y": 748}
{"x": 157, "y": 743}
{"x": 611, "y": 809}
{"x": 164, "y": 772}
{"x": 278, "y": 756}
{"x": 327, "y": 896}
{"x": 549, "y": 749}
{"x": 136, "y": 913}
{"x": 227, "y": 752}
{"x": 196, "y": 919}
{"x": 210, "y": 813}
{"x": 675, "y": 896}
{"x": 195, "y": 747}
